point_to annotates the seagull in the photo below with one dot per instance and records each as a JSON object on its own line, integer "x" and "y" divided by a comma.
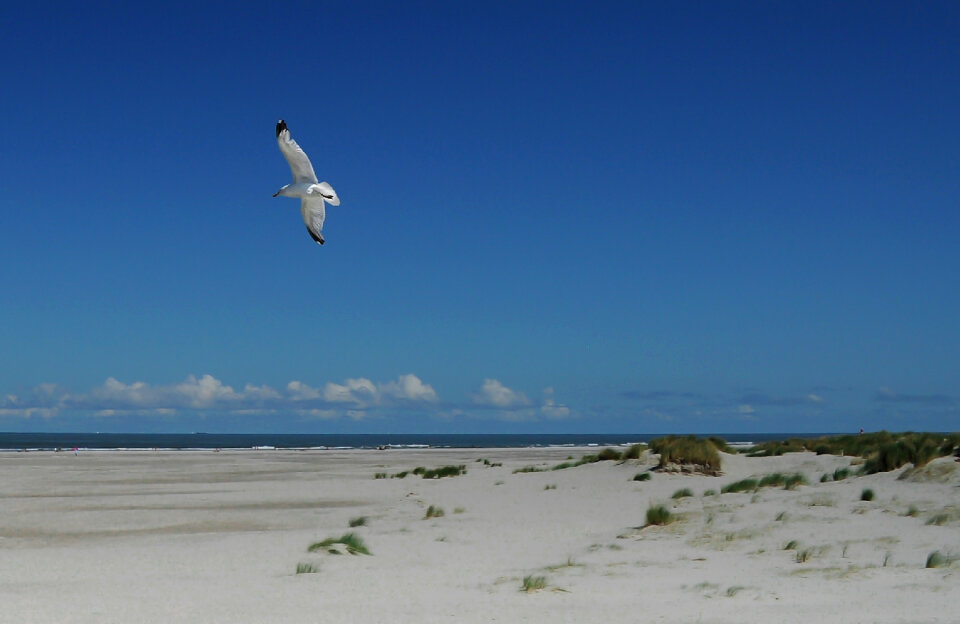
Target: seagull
{"x": 312, "y": 194}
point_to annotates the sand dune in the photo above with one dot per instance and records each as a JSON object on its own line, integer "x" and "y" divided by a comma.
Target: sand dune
{"x": 217, "y": 537}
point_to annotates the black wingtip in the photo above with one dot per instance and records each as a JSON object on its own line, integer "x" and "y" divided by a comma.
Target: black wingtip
{"x": 316, "y": 237}
{"x": 281, "y": 126}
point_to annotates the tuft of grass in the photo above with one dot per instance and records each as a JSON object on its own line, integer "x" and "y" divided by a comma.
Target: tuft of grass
{"x": 682, "y": 493}
{"x": 434, "y": 512}
{"x": 609, "y": 454}
{"x": 709, "y": 492}
{"x": 633, "y": 452}
{"x": 530, "y": 469}
{"x": 380, "y": 475}
{"x": 939, "y": 519}
{"x": 744, "y": 485}
{"x": 687, "y": 450}
{"x": 803, "y": 555}
{"x": 781, "y": 516}
{"x": 552, "y": 486}
{"x": 937, "y": 559}
{"x": 792, "y": 481}
{"x": 400, "y": 475}
{"x": 353, "y": 543}
{"x": 792, "y": 545}
{"x": 359, "y": 521}
{"x": 912, "y": 512}
{"x": 458, "y": 510}
{"x": 732, "y": 591}
{"x": 840, "y": 474}
{"x": 533, "y": 583}
{"x": 306, "y": 568}
{"x": 443, "y": 471}
{"x": 658, "y": 515}
{"x": 641, "y": 476}
{"x": 867, "y": 495}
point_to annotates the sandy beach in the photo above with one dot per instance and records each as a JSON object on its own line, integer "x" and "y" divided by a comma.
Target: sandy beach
{"x": 202, "y": 536}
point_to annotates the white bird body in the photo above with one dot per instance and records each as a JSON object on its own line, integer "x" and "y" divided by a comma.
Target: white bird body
{"x": 313, "y": 194}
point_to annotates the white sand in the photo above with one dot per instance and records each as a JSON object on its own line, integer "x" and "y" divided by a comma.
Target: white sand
{"x": 216, "y": 537}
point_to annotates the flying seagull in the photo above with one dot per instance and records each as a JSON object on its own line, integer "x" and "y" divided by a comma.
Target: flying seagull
{"x": 312, "y": 194}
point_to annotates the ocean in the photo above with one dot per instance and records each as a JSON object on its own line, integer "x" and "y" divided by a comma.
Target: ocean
{"x": 201, "y": 441}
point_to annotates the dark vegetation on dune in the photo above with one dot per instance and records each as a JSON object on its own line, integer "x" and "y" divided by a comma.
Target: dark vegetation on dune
{"x": 702, "y": 453}
{"x": 883, "y": 451}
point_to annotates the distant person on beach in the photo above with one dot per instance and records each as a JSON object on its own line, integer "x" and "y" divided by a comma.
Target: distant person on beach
{"x": 76, "y": 451}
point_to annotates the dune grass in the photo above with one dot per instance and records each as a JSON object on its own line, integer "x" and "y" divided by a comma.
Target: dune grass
{"x": 687, "y": 450}
{"x": 641, "y": 476}
{"x": 306, "y": 568}
{"x": 443, "y": 471}
{"x": 867, "y": 495}
{"x": 658, "y": 515}
{"x": 633, "y": 452}
{"x": 351, "y": 541}
{"x": 743, "y": 485}
{"x": 788, "y": 482}
{"x": 884, "y": 451}
{"x": 937, "y": 559}
{"x": 434, "y": 512}
{"x": 533, "y": 583}
{"x": 938, "y": 519}
{"x": 359, "y": 521}
{"x": 682, "y": 493}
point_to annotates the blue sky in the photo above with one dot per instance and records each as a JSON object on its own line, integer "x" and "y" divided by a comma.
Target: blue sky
{"x": 556, "y": 217}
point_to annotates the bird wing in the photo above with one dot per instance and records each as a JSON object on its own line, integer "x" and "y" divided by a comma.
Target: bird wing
{"x": 314, "y": 213}
{"x": 297, "y": 159}
{"x": 329, "y": 194}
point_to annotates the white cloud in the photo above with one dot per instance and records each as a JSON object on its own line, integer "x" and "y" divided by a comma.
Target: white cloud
{"x": 410, "y": 388}
{"x": 360, "y": 391}
{"x": 495, "y": 394}
{"x": 550, "y": 409}
{"x": 299, "y": 391}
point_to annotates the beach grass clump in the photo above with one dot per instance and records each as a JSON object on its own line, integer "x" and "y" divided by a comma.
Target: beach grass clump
{"x": 306, "y": 568}
{"x": 658, "y": 515}
{"x": 434, "y": 512}
{"x": 443, "y": 471}
{"x": 533, "y": 583}
{"x": 400, "y": 475}
{"x": 938, "y": 519}
{"x": 840, "y": 474}
{"x": 609, "y": 454}
{"x": 772, "y": 480}
{"x": 803, "y": 555}
{"x": 781, "y": 517}
{"x": 709, "y": 493}
{"x": 359, "y": 521}
{"x": 884, "y": 451}
{"x": 687, "y": 451}
{"x": 912, "y": 512}
{"x": 634, "y": 451}
{"x": 352, "y": 542}
{"x": 380, "y": 475}
{"x": 791, "y": 545}
{"x": 937, "y": 559}
{"x": 743, "y": 485}
{"x": 551, "y": 486}
{"x": 791, "y": 482}
{"x": 775, "y": 448}
{"x": 529, "y": 469}
{"x": 682, "y": 493}
{"x": 867, "y": 495}
{"x": 641, "y": 476}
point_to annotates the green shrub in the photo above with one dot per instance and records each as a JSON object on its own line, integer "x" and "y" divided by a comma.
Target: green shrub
{"x": 867, "y": 495}
{"x": 641, "y": 476}
{"x": 358, "y": 521}
{"x": 434, "y": 512}
{"x": 533, "y": 583}
{"x": 792, "y": 545}
{"x": 634, "y": 452}
{"x": 682, "y": 493}
{"x": 658, "y": 515}
{"x": 380, "y": 475}
{"x": 840, "y": 474}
